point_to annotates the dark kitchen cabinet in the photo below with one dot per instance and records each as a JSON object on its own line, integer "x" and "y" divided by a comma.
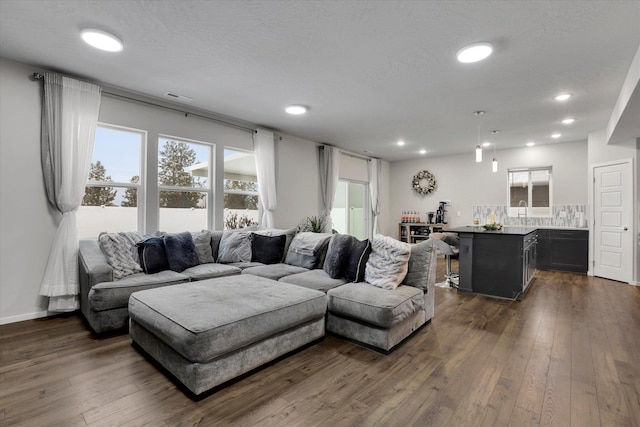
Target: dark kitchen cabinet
{"x": 563, "y": 250}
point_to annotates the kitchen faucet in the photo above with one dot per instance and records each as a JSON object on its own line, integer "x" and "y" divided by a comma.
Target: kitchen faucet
{"x": 526, "y": 218}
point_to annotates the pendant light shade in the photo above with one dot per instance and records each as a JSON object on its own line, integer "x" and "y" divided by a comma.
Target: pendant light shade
{"x": 494, "y": 165}
{"x": 478, "y": 153}
{"x": 478, "y": 146}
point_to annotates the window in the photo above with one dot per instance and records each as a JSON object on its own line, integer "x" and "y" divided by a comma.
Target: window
{"x": 240, "y": 189}
{"x": 184, "y": 184}
{"x": 530, "y": 192}
{"x": 350, "y": 213}
{"x": 114, "y": 188}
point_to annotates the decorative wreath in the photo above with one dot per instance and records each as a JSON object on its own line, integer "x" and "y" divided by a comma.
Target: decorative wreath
{"x": 427, "y": 188}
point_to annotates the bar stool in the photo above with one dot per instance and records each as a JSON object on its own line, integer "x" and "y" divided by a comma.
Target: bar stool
{"x": 447, "y": 244}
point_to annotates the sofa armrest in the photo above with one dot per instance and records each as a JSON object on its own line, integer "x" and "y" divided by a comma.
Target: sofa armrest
{"x": 93, "y": 263}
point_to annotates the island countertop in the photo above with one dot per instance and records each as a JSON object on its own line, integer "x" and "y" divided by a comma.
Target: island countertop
{"x": 510, "y": 230}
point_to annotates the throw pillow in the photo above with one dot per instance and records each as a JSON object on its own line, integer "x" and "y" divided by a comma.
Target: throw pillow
{"x": 202, "y": 242}
{"x": 421, "y": 266}
{"x": 290, "y": 233}
{"x": 388, "y": 263}
{"x": 357, "y": 262}
{"x": 338, "y": 254}
{"x": 181, "y": 252}
{"x": 122, "y": 254}
{"x": 235, "y": 246}
{"x": 308, "y": 250}
{"x": 153, "y": 257}
{"x": 266, "y": 249}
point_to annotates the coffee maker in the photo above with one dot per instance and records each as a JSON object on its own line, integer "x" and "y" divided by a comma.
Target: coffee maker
{"x": 430, "y": 215}
{"x": 440, "y": 214}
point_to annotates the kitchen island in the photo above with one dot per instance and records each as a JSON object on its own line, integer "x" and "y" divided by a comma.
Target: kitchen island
{"x": 498, "y": 263}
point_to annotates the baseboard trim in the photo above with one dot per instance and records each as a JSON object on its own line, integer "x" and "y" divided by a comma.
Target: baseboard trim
{"x": 23, "y": 317}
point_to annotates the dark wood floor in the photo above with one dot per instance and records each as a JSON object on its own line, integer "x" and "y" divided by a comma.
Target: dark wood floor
{"x": 567, "y": 355}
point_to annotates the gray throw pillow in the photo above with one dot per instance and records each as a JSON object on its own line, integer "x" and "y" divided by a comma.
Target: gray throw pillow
{"x": 180, "y": 250}
{"x": 420, "y": 268}
{"x": 235, "y": 246}
{"x": 202, "y": 241}
{"x": 308, "y": 250}
{"x": 122, "y": 253}
{"x": 338, "y": 253}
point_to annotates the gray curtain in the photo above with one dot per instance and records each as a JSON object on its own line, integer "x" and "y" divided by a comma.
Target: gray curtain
{"x": 69, "y": 120}
{"x": 329, "y": 169}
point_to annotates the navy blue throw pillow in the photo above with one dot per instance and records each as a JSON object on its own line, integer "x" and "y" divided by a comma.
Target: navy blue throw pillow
{"x": 267, "y": 249}
{"x": 153, "y": 258}
{"x": 181, "y": 251}
{"x": 360, "y": 251}
{"x": 338, "y": 254}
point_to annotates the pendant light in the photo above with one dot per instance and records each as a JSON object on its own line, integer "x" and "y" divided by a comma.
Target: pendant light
{"x": 478, "y": 146}
{"x": 494, "y": 165}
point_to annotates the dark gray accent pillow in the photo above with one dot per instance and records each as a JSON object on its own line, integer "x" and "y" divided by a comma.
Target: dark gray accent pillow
{"x": 302, "y": 255}
{"x": 338, "y": 252}
{"x": 357, "y": 262}
{"x": 202, "y": 241}
{"x": 420, "y": 265}
{"x": 181, "y": 252}
{"x": 153, "y": 258}
{"x": 267, "y": 249}
{"x": 216, "y": 236}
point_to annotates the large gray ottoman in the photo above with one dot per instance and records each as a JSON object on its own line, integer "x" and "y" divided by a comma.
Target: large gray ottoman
{"x": 208, "y": 332}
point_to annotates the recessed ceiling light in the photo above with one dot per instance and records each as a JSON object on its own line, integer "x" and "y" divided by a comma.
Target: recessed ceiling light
{"x": 296, "y": 109}
{"x": 568, "y": 120}
{"x": 562, "y": 97}
{"x": 486, "y": 144}
{"x": 400, "y": 143}
{"x": 494, "y": 132}
{"x": 102, "y": 40}
{"x": 556, "y": 135}
{"x": 474, "y": 52}
{"x": 423, "y": 151}
{"x": 530, "y": 144}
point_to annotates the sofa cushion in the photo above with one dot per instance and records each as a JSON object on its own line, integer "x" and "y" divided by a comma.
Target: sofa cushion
{"x": 419, "y": 267}
{"x": 267, "y": 249}
{"x": 109, "y": 295}
{"x": 338, "y": 253}
{"x": 274, "y": 271}
{"x": 289, "y": 233}
{"x": 207, "y": 319}
{"x": 211, "y": 270}
{"x": 308, "y": 249}
{"x": 181, "y": 252}
{"x": 316, "y": 279}
{"x": 235, "y": 247}
{"x": 202, "y": 242}
{"x": 244, "y": 265}
{"x": 122, "y": 253}
{"x": 388, "y": 263}
{"x": 356, "y": 264}
{"x": 153, "y": 257}
{"x": 377, "y": 306}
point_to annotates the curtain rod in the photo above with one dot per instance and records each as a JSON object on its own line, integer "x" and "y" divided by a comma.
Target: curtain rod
{"x": 347, "y": 153}
{"x": 38, "y": 76}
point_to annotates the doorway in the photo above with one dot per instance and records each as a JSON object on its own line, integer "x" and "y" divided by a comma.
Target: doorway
{"x": 613, "y": 224}
{"x": 350, "y": 213}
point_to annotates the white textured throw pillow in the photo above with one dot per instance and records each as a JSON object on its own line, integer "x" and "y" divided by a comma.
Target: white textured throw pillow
{"x": 388, "y": 263}
{"x": 122, "y": 253}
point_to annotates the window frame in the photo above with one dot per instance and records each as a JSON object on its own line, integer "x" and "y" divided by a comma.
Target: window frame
{"x": 140, "y": 185}
{"x": 239, "y": 192}
{"x": 515, "y": 211}
{"x": 209, "y": 191}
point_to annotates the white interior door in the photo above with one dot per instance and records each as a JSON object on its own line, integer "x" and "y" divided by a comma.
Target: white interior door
{"x": 613, "y": 221}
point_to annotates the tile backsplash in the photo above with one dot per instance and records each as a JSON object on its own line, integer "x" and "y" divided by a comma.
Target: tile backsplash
{"x": 569, "y": 216}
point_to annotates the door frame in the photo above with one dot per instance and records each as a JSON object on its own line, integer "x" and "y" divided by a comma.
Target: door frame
{"x": 632, "y": 224}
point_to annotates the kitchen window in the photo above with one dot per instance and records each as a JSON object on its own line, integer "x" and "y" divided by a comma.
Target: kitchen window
{"x": 530, "y": 192}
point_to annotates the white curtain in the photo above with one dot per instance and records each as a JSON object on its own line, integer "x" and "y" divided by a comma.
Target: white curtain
{"x": 264, "y": 147}
{"x": 69, "y": 119}
{"x": 374, "y": 193}
{"x": 329, "y": 171}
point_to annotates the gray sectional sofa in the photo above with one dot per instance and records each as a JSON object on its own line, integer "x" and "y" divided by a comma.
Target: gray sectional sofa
{"x": 332, "y": 264}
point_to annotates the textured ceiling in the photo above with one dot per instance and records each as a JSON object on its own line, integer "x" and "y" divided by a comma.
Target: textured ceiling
{"x": 372, "y": 72}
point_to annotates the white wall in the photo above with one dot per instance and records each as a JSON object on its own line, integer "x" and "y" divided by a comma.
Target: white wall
{"x": 467, "y": 183}
{"x": 27, "y": 226}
